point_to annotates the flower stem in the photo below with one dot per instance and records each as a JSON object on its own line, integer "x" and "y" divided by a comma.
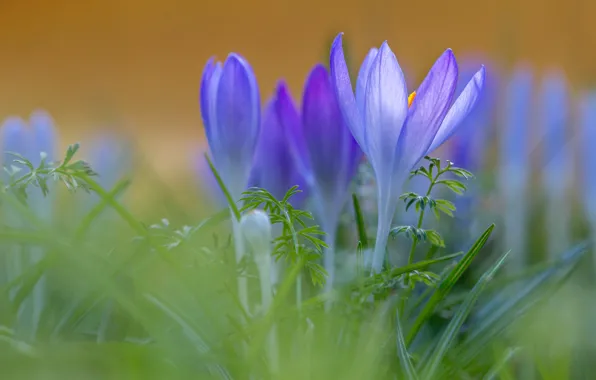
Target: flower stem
{"x": 409, "y": 289}
{"x": 264, "y": 267}
{"x": 239, "y": 250}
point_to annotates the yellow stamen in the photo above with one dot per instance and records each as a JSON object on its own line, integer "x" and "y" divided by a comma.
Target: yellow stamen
{"x": 411, "y": 98}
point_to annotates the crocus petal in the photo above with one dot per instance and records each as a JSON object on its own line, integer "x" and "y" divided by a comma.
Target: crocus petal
{"x": 432, "y": 102}
{"x": 555, "y": 120}
{"x": 14, "y": 137}
{"x": 342, "y": 85}
{"x": 515, "y": 138}
{"x": 44, "y": 135}
{"x": 329, "y": 142}
{"x": 460, "y": 109}
{"x": 386, "y": 109}
{"x": 237, "y": 111}
{"x": 204, "y": 94}
{"x": 278, "y": 151}
{"x": 588, "y": 134}
{"x": 363, "y": 75}
{"x": 274, "y": 170}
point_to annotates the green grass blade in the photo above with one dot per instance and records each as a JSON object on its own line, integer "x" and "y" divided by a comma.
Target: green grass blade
{"x": 447, "y": 284}
{"x": 454, "y": 326}
{"x": 402, "y": 351}
{"x": 506, "y": 306}
{"x": 395, "y": 272}
{"x": 496, "y": 371}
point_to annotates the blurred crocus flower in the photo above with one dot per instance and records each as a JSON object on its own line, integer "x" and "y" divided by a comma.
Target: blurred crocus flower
{"x": 14, "y": 138}
{"x": 393, "y": 129}
{"x": 554, "y": 119}
{"x": 514, "y": 163}
{"x": 29, "y": 141}
{"x": 326, "y": 153}
{"x": 230, "y": 107}
{"x": 468, "y": 145}
{"x": 557, "y": 159}
{"x": 274, "y": 167}
{"x": 588, "y": 137}
{"x": 110, "y": 157}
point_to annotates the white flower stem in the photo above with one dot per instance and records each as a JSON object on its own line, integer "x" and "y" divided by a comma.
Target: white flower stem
{"x": 239, "y": 249}
{"x": 263, "y": 261}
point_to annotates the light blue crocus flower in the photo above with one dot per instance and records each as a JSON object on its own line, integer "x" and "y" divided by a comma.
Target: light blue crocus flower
{"x": 393, "y": 129}
{"x": 588, "y": 155}
{"x": 28, "y": 141}
{"x": 514, "y": 163}
{"x": 230, "y": 107}
{"x": 468, "y": 147}
{"x": 557, "y": 158}
{"x": 43, "y": 139}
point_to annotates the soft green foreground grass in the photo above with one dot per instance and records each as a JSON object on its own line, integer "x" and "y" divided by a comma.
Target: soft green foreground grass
{"x": 99, "y": 293}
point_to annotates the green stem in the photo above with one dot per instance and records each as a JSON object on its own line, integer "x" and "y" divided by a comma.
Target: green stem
{"x": 409, "y": 289}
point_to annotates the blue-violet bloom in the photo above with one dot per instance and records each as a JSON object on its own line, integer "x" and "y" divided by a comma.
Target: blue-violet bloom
{"x": 230, "y": 107}
{"x": 393, "y": 129}
{"x": 327, "y": 154}
{"x": 274, "y": 166}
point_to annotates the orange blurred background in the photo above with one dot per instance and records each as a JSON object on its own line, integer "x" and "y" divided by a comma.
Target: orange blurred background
{"x": 135, "y": 66}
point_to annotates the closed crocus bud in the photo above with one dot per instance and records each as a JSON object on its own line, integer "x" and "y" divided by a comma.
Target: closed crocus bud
{"x": 256, "y": 230}
{"x": 230, "y": 107}
{"x": 275, "y": 169}
{"x": 44, "y": 136}
{"x": 14, "y": 138}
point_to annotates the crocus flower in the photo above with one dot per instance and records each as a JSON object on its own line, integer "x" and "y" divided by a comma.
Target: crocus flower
{"x": 326, "y": 153}
{"x": 230, "y": 107}
{"x": 44, "y": 139}
{"x": 468, "y": 147}
{"x": 514, "y": 163}
{"x": 554, "y": 120}
{"x": 14, "y": 137}
{"x": 588, "y": 136}
{"x": 393, "y": 129}
{"x": 557, "y": 159}
{"x": 274, "y": 167}
{"x": 29, "y": 142}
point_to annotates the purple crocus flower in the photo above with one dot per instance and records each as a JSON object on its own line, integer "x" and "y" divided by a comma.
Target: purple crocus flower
{"x": 327, "y": 154}
{"x": 29, "y": 142}
{"x": 274, "y": 167}
{"x": 588, "y": 136}
{"x": 14, "y": 137}
{"x": 44, "y": 136}
{"x": 230, "y": 107}
{"x": 393, "y": 129}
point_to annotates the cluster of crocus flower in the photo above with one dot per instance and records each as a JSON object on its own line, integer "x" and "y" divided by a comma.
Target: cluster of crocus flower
{"x": 321, "y": 146}
{"x": 29, "y": 139}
